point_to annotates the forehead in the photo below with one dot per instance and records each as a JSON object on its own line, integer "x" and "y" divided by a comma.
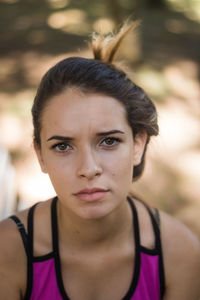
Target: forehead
{"x": 73, "y": 110}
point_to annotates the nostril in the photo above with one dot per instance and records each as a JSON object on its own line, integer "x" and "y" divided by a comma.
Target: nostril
{"x": 89, "y": 165}
{"x": 90, "y": 172}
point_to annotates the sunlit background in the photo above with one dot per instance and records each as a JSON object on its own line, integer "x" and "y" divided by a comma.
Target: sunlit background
{"x": 163, "y": 57}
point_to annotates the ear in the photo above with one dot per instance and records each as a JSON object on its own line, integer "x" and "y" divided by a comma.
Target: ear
{"x": 140, "y": 140}
{"x": 38, "y": 152}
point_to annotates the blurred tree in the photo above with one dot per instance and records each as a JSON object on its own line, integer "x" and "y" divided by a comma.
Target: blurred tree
{"x": 119, "y": 10}
{"x": 156, "y": 3}
{"x": 115, "y": 10}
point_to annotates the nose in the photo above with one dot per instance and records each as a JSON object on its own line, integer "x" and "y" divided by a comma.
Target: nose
{"x": 89, "y": 165}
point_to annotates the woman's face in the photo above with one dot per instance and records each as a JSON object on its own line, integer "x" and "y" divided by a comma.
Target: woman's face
{"x": 88, "y": 151}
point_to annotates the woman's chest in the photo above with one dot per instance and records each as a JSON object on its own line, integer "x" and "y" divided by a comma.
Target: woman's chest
{"x": 99, "y": 277}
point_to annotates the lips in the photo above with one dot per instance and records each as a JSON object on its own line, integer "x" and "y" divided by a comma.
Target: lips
{"x": 92, "y": 190}
{"x": 90, "y": 195}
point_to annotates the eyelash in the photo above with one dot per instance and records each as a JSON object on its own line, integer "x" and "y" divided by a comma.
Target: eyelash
{"x": 113, "y": 139}
{"x": 116, "y": 140}
{"x": 59, "y": 144}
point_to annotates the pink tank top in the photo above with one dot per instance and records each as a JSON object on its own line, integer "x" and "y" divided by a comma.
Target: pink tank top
{"x": 45, "y": 282}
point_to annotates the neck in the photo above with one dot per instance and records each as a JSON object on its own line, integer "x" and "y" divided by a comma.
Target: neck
{"x": 75, "y": 231}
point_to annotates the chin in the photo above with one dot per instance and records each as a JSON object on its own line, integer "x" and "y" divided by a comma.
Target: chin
{"x": 94, "y": 212}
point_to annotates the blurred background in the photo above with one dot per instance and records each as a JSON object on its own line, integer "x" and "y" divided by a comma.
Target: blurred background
{"x": 163, "y": 57}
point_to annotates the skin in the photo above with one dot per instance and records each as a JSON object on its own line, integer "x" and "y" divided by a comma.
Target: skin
{"x": 95, "y": 238}
{"x": 89, "y": 160}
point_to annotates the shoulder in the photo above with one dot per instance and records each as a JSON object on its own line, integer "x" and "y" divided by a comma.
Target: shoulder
{"x": 177, "y": 240}
{"x": 12, "y": 260}
{"x": 9, "y": 233}
{"x": 10, "y": 237}
{"x": 181, "y": 253}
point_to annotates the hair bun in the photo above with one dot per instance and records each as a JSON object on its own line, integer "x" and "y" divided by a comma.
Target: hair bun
{"x": 104, "y": 47}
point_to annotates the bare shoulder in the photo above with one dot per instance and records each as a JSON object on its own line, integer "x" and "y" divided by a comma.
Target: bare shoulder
{"x": 181, "y": 252}
{"x": 12, "y": 261}
{"x": 13, "y": 257}
{"x": 9, "y": 235}
{"x": 177, "y": 239}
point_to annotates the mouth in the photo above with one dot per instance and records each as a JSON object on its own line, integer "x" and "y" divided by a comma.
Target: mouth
{"x": 91, "y": 195}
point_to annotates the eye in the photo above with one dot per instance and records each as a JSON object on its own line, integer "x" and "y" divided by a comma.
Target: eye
{"x": 110, "y": 141}
{"x": 61, "y": 147}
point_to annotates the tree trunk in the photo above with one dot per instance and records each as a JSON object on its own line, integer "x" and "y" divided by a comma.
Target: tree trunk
{"x": 115, "y": 11}
{"x": 155, "y": 3}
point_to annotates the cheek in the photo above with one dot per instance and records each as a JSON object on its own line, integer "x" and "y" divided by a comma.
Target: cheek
{"x": 120, "y": 166}
{"x": 59, "y": 170}
{"x": 62, "y": 181}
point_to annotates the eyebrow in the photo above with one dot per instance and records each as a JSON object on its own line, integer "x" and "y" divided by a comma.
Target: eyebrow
{"x": 67, "y": 138}
{"x": 104, "y": 133}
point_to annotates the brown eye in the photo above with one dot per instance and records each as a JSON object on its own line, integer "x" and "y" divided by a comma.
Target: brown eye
{"x": 110, "y": 141}
{"x": 62, "y": 147}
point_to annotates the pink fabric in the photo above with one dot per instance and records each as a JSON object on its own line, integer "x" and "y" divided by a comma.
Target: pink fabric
{"x": 148, "y": 287}
{"x": 45, "y": 285}
{"x": 44, "y": 281}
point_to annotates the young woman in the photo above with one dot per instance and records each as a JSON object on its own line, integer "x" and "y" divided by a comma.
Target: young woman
{"x": 94, "y": 241}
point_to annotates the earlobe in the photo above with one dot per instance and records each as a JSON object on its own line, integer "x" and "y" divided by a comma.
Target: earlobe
{"x": 39, "y": 156}
{"x": 140, "y": 140}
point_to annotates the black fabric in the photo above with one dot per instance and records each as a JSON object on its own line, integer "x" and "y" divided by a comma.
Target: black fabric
{"x": 55, "y": 238}
{"x": 30, "y": 263}
{"x": 136, "y": 271}
{"x": 27, "y": 239}
{"x": 24, "y": 237}
{"x": 31, "y": 228}
{"x": 155, "y": 219}
{"x": 22, "y": 232}
{"x": 156, "y": 224}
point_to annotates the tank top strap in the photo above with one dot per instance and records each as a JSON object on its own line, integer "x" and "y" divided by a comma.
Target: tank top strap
{"x": 30, "y": 226}
{"x": 155, "y": 220}
{"x": 135, "y": 222}
{"x": 27, "y": 238}
{"x": 22, "y": 231}
{"x": 54, "y": 224}
{"x": 55, "y": 239}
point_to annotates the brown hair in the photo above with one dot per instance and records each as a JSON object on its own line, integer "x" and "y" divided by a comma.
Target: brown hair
{"x": 104, "y": 47}
{"x": 99, "y": 75}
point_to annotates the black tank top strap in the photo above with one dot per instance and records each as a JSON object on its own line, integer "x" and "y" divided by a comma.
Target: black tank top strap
{"x": 55, "y": 239}
{"x": 54, "y": 224}
{"x": 135, "y": 222}
{"x": 28, "y": 245}
{"x": 155, "y": 219}
{"x": 136, "y": 231}
{"x": 30, "y": 227}
{"x": 27, "y": 237}
{"x": 30, "y": 222}
{"x": 22, "y": 232}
